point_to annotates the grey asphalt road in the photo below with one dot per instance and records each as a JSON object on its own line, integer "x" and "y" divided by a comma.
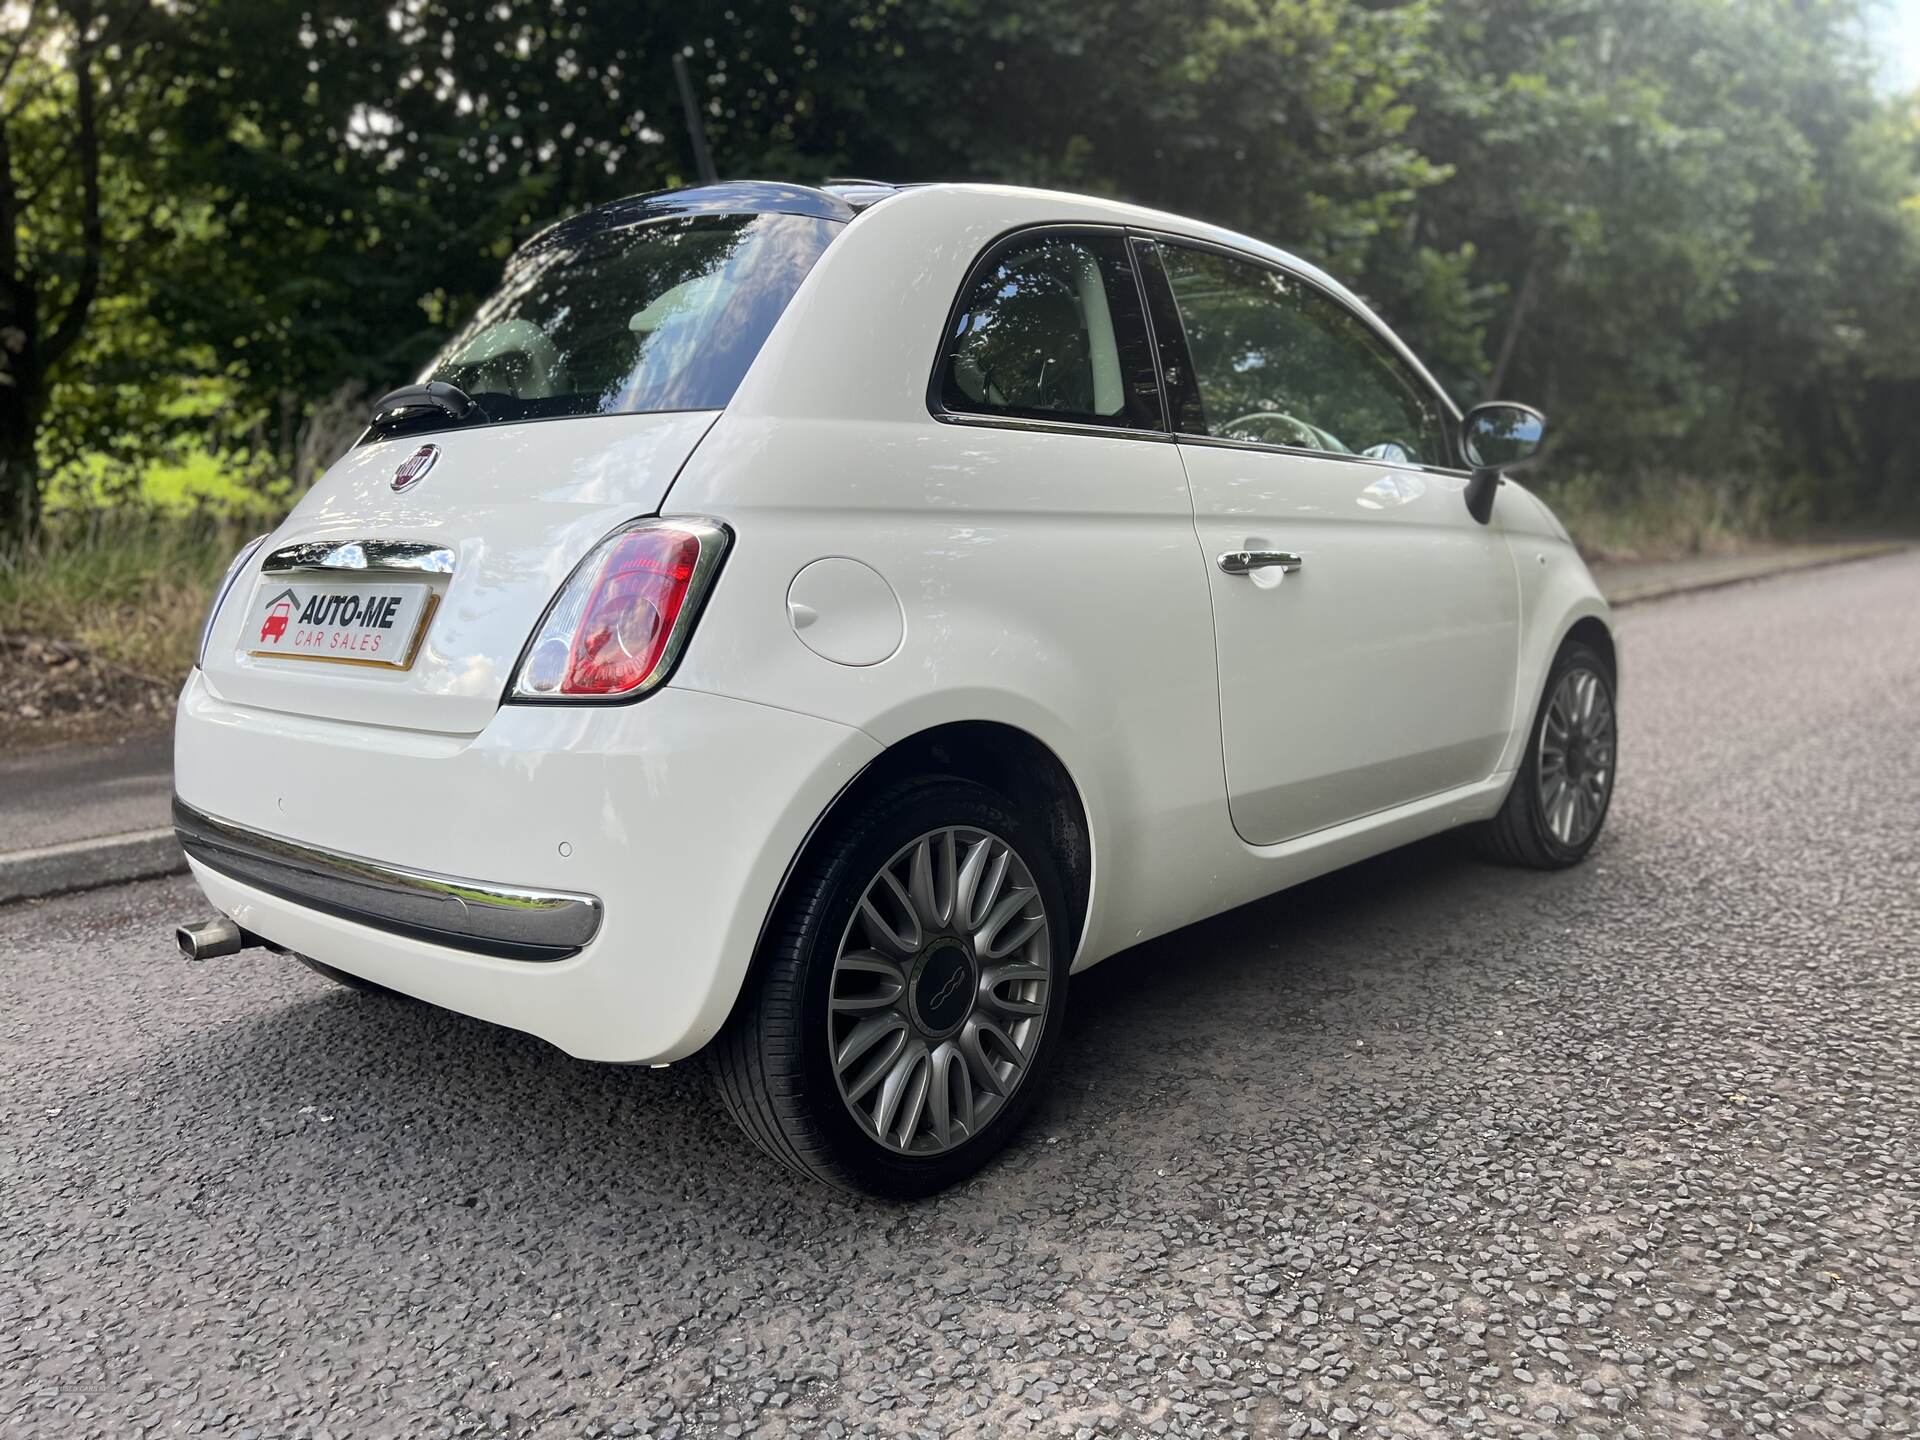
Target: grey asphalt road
{"x": 1426, "y": 1149}
{"x": 78, "y": 792}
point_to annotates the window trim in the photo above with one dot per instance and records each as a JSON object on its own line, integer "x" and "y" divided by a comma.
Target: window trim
{"x": 1156, "y": 291}
{"x": 936, "y": 402}
{"x": 1450, "y": 413}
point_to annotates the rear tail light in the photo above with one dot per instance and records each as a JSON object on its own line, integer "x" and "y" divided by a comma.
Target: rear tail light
{"x": 623, "y": 617}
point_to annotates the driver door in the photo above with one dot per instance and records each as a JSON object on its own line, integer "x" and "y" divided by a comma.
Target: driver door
{"x": 1373, "y": 662}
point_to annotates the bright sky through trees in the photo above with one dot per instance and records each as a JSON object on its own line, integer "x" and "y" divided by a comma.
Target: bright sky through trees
{"x": 1897, "y": 32}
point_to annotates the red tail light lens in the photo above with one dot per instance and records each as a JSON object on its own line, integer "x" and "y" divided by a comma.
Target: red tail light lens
{"x": 639, "y": 594}
{"x": 621, "y": 620}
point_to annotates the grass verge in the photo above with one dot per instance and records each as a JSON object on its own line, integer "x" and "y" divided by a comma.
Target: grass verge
{"x": 128, "y": 587}
{"x": 1663, "y": 518}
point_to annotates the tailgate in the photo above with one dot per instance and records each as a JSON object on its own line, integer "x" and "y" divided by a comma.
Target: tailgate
{"x": 464, "y": 562}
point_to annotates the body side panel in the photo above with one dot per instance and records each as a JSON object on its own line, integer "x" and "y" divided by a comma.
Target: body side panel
{"x": 1556, "y": 592}
{"x": 1047, "y": 582}
{"x": 1052, "y": 582}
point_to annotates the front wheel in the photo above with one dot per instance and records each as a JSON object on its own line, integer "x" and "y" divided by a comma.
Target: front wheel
{"x": 905, "y": 1005}
{"x": 1560, "y": 795}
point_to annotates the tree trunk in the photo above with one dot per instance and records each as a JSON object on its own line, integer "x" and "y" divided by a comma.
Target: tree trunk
{"x": 19, "y": 472}
{"x": 1522, "y": 305}
{"x": 21, "y": 396}
{"x": 19, "y": 366}
{"x": 28, "y": 350}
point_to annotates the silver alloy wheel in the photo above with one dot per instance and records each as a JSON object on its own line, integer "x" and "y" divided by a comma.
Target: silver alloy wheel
{"x": 1576, "y": 756}
{"x": 939, "y": 990}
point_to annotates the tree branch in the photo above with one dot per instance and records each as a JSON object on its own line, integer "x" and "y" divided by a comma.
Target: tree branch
{"x": 27, "y": 91}
{"x": 1522, "y": 305}
{"x": 92, "y": 238}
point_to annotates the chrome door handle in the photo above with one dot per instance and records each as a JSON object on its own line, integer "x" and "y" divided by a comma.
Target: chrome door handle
{"x": 1245, "y": 562}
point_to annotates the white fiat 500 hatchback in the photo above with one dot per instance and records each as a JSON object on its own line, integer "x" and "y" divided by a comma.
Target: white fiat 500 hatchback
{"x": 807, "y": 625}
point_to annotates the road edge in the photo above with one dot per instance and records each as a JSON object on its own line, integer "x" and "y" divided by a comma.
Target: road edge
{"x": 1764, "y": 567}
{"x": 89, "y": 864}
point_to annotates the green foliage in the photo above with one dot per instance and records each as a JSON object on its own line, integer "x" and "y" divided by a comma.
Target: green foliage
{"x": 1690, "y": 229}
{"x": 1694, "y": 209}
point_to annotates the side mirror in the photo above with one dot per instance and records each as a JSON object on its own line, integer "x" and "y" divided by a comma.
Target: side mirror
{"x": 1497, "y": 436}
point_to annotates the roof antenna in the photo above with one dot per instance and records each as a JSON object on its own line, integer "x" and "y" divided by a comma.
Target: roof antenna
{"x": 702, "y": 157}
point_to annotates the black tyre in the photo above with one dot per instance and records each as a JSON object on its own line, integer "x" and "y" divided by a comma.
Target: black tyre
{"x": 904, "y": 1008}
{"x": 1558, "y": 803}
{"x": 341, "y": 977}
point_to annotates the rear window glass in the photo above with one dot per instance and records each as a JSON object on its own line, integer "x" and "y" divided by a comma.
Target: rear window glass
{"x": 665, "y": 314}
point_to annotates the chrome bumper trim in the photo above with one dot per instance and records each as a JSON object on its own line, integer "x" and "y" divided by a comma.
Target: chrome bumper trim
{"x": 508, "y": 921}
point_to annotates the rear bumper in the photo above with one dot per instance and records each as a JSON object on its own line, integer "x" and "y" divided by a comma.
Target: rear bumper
{"x": 480, "y": 917}
{"x": 596, "y": 877}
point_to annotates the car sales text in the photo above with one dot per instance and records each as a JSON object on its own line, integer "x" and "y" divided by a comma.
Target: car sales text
{"x": 365, "y": 614}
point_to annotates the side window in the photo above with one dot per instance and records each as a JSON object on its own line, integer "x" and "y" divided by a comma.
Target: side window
{"x": 1049, "y": 327}
{"x": 1279, "y": 362}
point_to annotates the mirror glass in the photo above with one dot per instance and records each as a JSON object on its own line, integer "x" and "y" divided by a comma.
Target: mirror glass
{"x": 1501, "y": 435}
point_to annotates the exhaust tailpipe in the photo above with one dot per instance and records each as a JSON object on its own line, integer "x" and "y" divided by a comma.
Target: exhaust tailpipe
{"x": 210, "y": 939}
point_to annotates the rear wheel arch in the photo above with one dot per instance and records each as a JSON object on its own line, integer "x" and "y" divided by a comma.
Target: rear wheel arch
{"x": 1002, "y": 757}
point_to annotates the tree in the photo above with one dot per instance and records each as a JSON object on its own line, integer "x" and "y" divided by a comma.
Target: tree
{"x": 360, "y": 196}
{"x": 1687, "y": 227}
{"x": 1686, "y": 218}
{"x": 51, "y": 233}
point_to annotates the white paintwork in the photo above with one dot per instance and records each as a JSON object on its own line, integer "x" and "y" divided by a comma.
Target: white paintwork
{"x": 1380, "y": 672}
{"x": 845, "y": 612}
{"x": 1061, "y": 584}
{"x": 665, "y": 809}
{"x": 518, "y": 504}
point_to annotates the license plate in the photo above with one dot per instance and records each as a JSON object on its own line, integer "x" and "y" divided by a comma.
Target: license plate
{"x": 359, "y": 623}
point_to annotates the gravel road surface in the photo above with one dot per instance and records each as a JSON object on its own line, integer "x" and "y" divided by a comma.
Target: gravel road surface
{"x": 1425, "y": 1149}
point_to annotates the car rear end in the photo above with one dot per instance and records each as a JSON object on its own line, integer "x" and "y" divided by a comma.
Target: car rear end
{"x": 431, "y": 740}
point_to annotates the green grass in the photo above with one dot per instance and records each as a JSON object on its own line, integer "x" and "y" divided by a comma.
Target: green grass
{"x": 130, "y": 578}
{"x": 1663, "y": 518}
{"x": 130, "y": 585}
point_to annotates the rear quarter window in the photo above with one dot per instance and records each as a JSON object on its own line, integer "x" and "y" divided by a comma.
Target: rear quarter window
{"x": 1049, "y": 327}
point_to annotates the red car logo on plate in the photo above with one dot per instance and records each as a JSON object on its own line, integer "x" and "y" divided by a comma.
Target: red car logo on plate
{"x": 277, "y": 619}
{"x": 416, "y": 468}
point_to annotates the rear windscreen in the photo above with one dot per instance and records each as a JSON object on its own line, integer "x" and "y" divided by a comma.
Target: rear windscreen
{"x": 665, "y": 314}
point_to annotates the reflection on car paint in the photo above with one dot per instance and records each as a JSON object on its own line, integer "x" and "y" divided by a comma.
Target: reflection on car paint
{"x": 1397, "y": 488}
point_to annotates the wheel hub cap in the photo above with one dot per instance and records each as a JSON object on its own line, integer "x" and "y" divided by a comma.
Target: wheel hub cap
{"x": 943, "y": 988}
{"x": 1576, "y": 757}
{"x": 939, "y": 990}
